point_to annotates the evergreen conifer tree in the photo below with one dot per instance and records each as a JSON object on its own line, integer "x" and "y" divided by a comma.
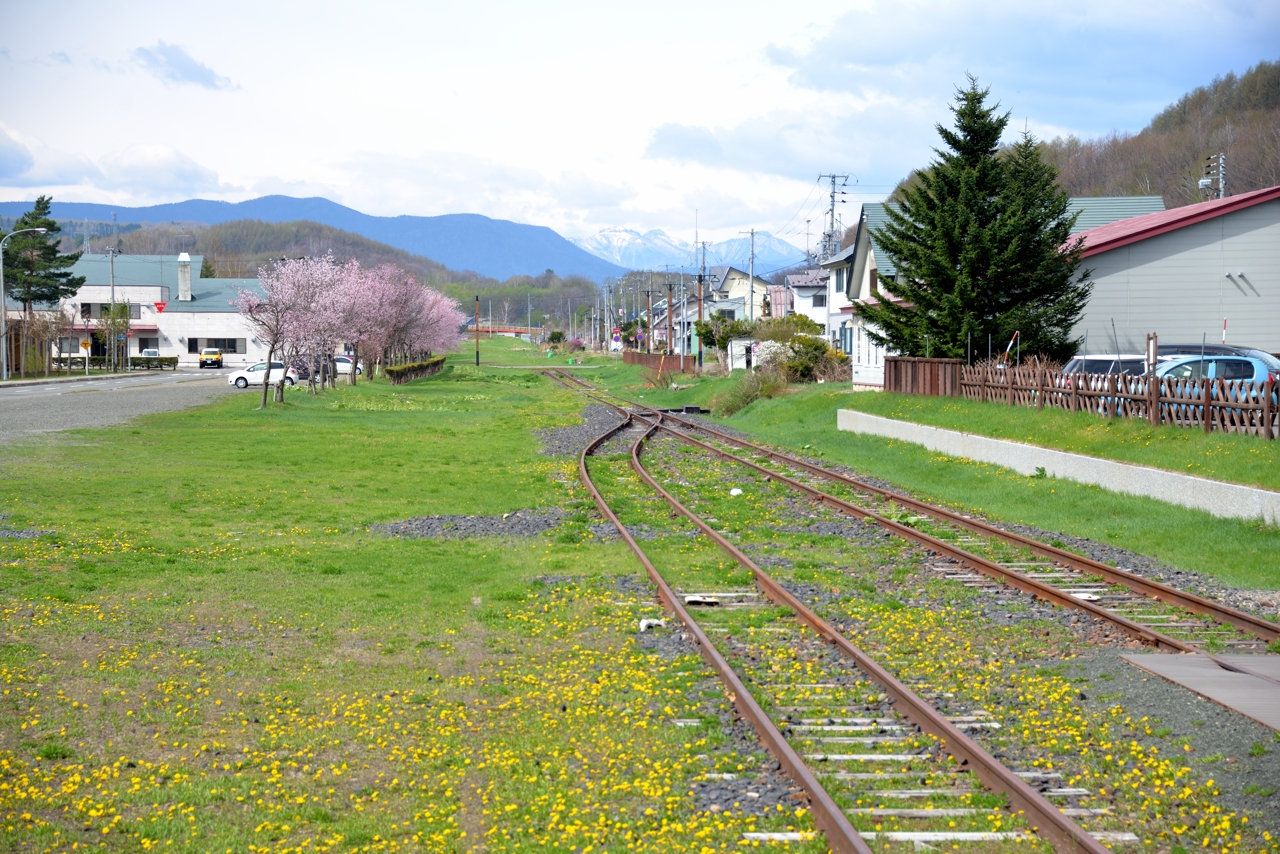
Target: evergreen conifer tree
{"x": 34, "y": 270}
{"x": 978, "y": 243}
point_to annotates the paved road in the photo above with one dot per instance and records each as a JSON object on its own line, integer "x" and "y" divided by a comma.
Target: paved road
{"x": 29, "y": 410}
{"x": 130, "y": 381}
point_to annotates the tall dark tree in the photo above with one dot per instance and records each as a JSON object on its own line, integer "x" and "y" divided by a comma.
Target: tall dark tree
{"x": 34, "y": 270}
{"x": 1046, "y": 292}
{"x": 977, "y": 241}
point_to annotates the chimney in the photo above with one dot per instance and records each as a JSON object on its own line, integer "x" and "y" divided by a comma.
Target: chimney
{"x": 184, "y": 277}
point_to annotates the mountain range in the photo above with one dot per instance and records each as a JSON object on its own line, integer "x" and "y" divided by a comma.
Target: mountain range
{"x": 654, "y": 249}
{"x": 491, "y": 247}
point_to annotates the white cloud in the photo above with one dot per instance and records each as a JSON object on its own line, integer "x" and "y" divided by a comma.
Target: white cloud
{"x": 156, "y": 169}
{"x": 26, "y": 161}
{"x": 172, "y": 64}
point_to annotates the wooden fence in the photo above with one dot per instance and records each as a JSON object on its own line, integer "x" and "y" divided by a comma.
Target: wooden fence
{"x": 675, "y": 364}
{"x": 1232, "y": 406}
{"x": 925, "y": 377}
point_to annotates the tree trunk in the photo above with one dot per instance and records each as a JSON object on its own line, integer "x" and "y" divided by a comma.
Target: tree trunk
{"x": 355, "y": 360}
{"x": 266, "y": 381}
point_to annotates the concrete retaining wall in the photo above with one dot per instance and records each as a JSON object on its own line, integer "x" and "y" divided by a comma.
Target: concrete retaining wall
{"x": 1219, "y": 499}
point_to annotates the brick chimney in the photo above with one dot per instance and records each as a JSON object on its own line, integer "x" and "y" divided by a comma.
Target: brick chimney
{"x": 184, "y": 277}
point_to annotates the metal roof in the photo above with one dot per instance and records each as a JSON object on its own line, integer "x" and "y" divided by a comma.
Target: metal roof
{"x": 134, "y": 270}
{"x": 207, "y": 295}
{"x": 1116, "y": 234}
{"x": 874, "y": 213}
{"x": 1100, "y": 210}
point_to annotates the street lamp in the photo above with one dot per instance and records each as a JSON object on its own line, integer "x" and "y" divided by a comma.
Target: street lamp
{"x": 4, "y": 304}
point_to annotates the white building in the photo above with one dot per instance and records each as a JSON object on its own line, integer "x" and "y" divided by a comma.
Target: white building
{"x": 810, "y": 294}
{"x": 1185, "y": 274}
{"x": 171, "y": 309}
{"x": 736, "y": 293}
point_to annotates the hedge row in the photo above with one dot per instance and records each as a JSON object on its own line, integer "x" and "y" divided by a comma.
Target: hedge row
{"x": 402, "y": 374}
{"x": 140, "y": 363}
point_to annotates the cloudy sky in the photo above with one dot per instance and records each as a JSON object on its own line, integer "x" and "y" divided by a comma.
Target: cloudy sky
{"x": 576, "y": 116}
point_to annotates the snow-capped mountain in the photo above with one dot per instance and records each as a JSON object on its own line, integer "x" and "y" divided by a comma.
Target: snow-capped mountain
{"x": 654, "y": 249}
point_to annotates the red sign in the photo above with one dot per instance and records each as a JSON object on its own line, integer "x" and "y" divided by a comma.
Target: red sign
{"x": 128, "y": 335}
{"x": 160, "y": 307}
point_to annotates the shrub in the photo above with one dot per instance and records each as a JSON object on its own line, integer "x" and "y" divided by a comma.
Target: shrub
{"x": 401, "y": 374}
{"x": 575, "y": 345}
{"x": 555, "y": 337}
{"x": 766, "y": 382}
{"x": 138, "y": 362}
{"x": 808, "y": 359}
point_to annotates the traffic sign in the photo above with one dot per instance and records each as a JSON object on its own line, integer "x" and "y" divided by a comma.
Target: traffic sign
{"x": 160, "y": 307}
{"x": 84, "y": 345}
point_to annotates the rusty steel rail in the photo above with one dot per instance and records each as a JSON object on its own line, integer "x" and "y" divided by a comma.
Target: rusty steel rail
{"x": 1045, "y": 818}
{"x": 840, "y": 834}
{"x": 1152, "y": 589}
{"x": 986, "y": 567}
{"x": 1247, "y": 623}
{"x": 1146, "y": 634}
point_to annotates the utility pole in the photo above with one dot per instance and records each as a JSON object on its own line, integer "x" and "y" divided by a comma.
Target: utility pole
{"x": 477, "y": 332}
{"x": 648, "y": 316}
{"x": 529, "y": 304}
{"x": 112, "y": 252}
{"x": 831, "y": 240}
{"x": 671, "y": 341}
{"x": 751, "y": 277}
{"x": 1215, "y": 171}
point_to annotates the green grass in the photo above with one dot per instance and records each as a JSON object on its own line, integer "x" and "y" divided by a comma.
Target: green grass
{"x": 1248, "y": 460}
{"x": 1237, "y": 551}
{"x": 213, "y": 650}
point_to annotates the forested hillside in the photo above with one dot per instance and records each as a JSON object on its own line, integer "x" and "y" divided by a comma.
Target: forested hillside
{"x": 1238, "y": 116}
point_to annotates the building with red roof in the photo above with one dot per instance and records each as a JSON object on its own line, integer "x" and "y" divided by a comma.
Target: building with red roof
{"x": 1183, "y": 272}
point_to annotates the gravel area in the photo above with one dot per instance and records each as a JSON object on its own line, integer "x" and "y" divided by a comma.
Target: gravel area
{"x": 24, "y": 417}
{"x": 1220, "y": 739}
{"x": 521, "y": 523}
{"x": 569, "y": 441}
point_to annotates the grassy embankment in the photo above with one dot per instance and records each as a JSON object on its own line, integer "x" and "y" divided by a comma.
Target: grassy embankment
{"x": 212, "y": 651}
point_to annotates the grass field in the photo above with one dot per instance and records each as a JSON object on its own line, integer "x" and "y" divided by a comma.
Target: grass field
{"x": 213, "y": 652}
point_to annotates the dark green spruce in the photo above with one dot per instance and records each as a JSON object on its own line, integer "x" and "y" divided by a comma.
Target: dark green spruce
{"x": 981, "y": 247}
{"x": 34, "y": 270}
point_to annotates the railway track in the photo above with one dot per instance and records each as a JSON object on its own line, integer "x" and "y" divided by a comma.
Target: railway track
{"x": 843, "y": 714}
{"x": 980, "y": 554}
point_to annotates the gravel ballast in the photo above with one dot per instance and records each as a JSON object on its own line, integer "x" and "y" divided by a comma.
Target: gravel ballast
{"x": 521, "y": 523}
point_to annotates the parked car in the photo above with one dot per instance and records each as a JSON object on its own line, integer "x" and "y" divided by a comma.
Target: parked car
{"x": 255, "y": 374}
{"x": 151, "y": 353}
{"x": 211, "y": 357}
{"x": 1256, "y": 369}
{"x": 342, "y": 365}
{"x": 1124, "y": 363}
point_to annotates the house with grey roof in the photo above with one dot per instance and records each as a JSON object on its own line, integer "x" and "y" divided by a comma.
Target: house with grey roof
{"x": 170, "y": 310}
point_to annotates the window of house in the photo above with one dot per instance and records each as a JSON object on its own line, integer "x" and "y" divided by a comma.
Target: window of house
{"x": 819, "y": 300}
{"x": 729, "y": 314}
{"x": 148, "y": 344}
{"x": 193, "y": 346}
{"x": 135, "y": 311}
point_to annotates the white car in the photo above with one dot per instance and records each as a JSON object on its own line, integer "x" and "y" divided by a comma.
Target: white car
{"x": 342, "y": 365}
{"x": 254, "y": 375}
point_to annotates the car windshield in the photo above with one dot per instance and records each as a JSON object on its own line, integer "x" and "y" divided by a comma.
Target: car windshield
{"x": 1187, "y": 371}
{"x": 210, "y": 352}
